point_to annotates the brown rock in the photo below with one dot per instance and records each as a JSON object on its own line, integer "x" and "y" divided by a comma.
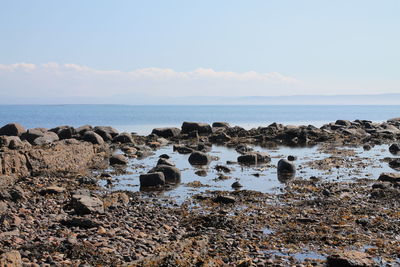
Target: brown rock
{"x": 389, "y": 177}
{"x": 12, "y": 129}
{"x": 11, "y": 259}
{"x": 350, "y": 258}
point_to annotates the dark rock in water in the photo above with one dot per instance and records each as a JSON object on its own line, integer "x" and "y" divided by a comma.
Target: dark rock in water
{"x": 284, "y": 166}
{"x": 254, "y": 158}
{"x": 123, "y": 138}
{"x": 47, "y": 138}
{"x": 221, "y": 168}
{"x": 242, "y": 149}
{"x": 291, "y": 158}
{"x": 199, "y": 158}
{"x": 221, "y": 125}
{"x": 394, "y": 148}
{"x": 152, "y": 179}
{"x": 83, "y": 129}
{"x": 167, "y": 132}
{"x": 367, "y": 147}
{"x": 164, "y": 156}
{"x": 350, "y": 258}
{"x": 224, "y": 199}
{"x": 182, "y": 149}
{"x": 118, "y": 160}
{"x": 163, "y": 161}
{"x": 83, "y": 204}
{"x": 171, "y": 174}
{"x": 236, "y": 185}
{"x": 106, "y": 132}
{"x": 389, "y": 177}
{"x": 394, "y": 164}
{"x": 31, "y": 134}
{"x": 343, "y": 122}
{"x": 202, "y": 173}
{"x": 93, "y": 138}
{"x": 80, "y": 222}
{"x": 12, "y": 129}
{"x": 201, "y": 128}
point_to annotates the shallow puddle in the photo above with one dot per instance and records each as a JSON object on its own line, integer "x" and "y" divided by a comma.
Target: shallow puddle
{"x": 356, "y": 163}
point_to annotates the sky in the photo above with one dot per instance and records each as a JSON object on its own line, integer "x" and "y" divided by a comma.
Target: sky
{"x": 142, "y": 49}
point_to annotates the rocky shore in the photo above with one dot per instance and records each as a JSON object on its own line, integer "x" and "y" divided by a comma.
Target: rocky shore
{"x": 58, "y": 206}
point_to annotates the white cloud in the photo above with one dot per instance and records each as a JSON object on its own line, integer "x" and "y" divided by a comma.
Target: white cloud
{"x": 54, "y": 80}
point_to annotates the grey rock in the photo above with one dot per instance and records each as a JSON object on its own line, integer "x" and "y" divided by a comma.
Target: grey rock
{"x": 118, "y": 160}
{"x": 152, "y": 179}
{"x": 254, "y": 158}
{"x": 199, "y": 158}
{"x": 93, "y": 138}
{"x": 167, "y": 132}
{"x": 171, "y": 174}
{"x": 83, "y": 204}
{"x": 201, "y": 128}
{"x": 123, "y": 138}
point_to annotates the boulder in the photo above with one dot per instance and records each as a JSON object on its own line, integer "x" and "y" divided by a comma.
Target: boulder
{"x": 66, "y": 133}
{"x": 394, "y": 148}
{"x": 164, "y": 161}
{"x": 47, "y": 138}
{"x": 343, "y": 122}
{"x": 92, "y": 137}
{"x": 199, "y": 158}
{"x": 201, "y": 128}
{"x": 12, "y": 129}
{"x": 83, "y": 129}
{"x": 350, "y": 258}
{"x": 390, "y": 177}
{"x": 220, "y": 137}
{"x": 171, "y": 174}
{"x": 118, "y": 160}
{"x": 106, "y": 132}
{"x": 123, "y": 138}
{"x": 182, "y": 149}
{"x": 152, "y": 179}
{"x": 254, "y": 158}
{"x": 285, "y": 166}
{"x": 221, "y": 125}
{"x": 83, "y": 204}
{"x": 31, "y": 134}
{"x": 167, "y": 132}
{"x": 12, "y": 142}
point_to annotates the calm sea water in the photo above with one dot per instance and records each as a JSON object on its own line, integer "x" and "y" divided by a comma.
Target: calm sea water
{"x": 142, "y": 119}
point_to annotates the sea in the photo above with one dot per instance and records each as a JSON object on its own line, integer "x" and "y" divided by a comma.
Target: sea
{"x": 142, "y": 119}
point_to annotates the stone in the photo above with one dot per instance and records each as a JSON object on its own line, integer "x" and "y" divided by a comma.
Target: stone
{"x": 236, "y": 185}
{"x": 285, "y": 166}
{"x": 291, "y": 158}
{"x": 199, "y": 158}
{"x": 11, "y": 259}
{"x": 220, "y": 137}
{"x": 171, "y": 174}
{"x": 31, "y": 134}
{"x": 182, "y": 149}
{"x": 11, "y": 142}
{"x": 221, "y": 168}
{"x": 80, "y": 222}
{"x": 254, "y": 158}
{"x": 167, "y": 132}
{"x": 92, "y": 137}
{"x": 350, "y": 258}
{"x": 152, "y": 179}
{"x": 83, "y": 129}
{"x": 343, "y": 122}
{"x": 53, "y": 190}
{"x": 123, "y": 138}
{"x": 224, "y": 199}
{"x": 201, "y": 128}
{"x": 106, "y": 132}
{"x": 12, "y": 129}
{"x": 221, "y": 125}
{"x": 163, "y": 161}
{"x": 47, "y": 138}
{"x": 83, "y": 204}
{"x": 118, "y": 160}
{"x": 394, "y": 148}
{"x": 66, "y": 133}
{"x": 389, "y": 177}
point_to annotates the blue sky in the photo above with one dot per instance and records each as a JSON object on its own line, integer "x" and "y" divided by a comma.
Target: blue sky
{"x": 328, "y": 47}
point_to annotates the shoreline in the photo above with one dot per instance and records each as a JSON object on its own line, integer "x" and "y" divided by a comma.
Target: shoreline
{"x": 58, "y": 206}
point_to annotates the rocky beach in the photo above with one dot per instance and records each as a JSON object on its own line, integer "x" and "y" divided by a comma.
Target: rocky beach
{"x": 94, "y": 196}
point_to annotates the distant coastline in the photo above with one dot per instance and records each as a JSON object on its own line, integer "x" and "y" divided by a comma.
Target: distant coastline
{"x": 367, "y": 99}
